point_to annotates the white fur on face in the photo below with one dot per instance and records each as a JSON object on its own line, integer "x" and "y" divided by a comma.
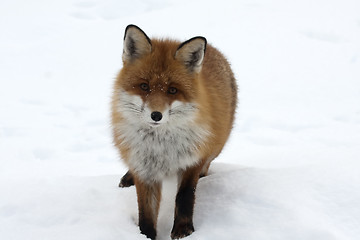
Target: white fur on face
{"x": 164, "y": 149}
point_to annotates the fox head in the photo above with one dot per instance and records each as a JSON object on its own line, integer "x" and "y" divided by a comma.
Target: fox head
{"x": 158, "y": 83}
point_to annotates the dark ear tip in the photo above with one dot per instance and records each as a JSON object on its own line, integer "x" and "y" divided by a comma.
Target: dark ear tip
{"x": 203, "y": 38}
{"x": 131, "y": 26}
{"x": 139, "y": 29}
{"x": 194, "y": 38}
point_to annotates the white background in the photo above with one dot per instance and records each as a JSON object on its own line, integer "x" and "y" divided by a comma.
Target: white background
{"x": 291, "y": 169}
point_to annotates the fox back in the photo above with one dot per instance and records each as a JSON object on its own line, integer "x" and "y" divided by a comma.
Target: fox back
{"x": 173, "y": 107}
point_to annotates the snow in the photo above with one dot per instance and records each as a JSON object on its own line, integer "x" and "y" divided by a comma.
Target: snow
{"x": 291, "y": 169}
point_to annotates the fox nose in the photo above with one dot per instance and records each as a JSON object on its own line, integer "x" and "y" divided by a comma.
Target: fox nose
{"x": 156, "y": 116}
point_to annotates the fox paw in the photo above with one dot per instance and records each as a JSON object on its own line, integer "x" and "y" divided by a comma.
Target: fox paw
{"x": 127, "y": 180}
{"x": 182, "y": 230}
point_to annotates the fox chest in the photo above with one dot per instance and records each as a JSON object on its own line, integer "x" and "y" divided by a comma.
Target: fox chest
{"x": 156, "y": 153}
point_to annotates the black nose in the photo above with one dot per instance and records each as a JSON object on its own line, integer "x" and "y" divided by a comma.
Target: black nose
{"x": 156, "y": 116}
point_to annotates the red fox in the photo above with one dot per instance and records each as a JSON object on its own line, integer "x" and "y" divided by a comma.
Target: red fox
{"x": 173, "y": 109}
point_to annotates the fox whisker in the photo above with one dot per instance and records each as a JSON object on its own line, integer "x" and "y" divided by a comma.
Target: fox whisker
{"x": 183, "y": 109}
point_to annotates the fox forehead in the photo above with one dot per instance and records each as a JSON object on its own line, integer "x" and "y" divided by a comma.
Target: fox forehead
{"x": 160, "y": 63}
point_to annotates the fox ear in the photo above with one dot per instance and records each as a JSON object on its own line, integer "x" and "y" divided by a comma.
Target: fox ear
{"x": 136, "y": 43}
{"x": 191, "y": 53}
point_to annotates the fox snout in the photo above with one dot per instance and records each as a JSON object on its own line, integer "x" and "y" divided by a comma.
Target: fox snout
{"x": 156, "y": 116}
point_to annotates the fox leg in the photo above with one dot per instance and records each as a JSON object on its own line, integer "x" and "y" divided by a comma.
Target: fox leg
{"x": 148, "y": 196}
{"x": 185, "y": 200}
{"x": 127, "y": 180}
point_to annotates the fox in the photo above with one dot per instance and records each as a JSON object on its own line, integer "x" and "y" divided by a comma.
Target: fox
{"x": 173, "y": 108}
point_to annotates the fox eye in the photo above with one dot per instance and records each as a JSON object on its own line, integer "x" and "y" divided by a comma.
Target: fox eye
{"x": 145, "y": 87}
{"x": 172, "y": 90}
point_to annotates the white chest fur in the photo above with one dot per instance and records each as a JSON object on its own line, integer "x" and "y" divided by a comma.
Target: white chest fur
{"x": 158, "y": 151}
{"x": 162, "y": 151}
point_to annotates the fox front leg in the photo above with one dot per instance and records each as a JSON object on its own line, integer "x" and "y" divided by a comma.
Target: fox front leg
{"x": 185, "y": 200}
{"x": 148, "y": 196}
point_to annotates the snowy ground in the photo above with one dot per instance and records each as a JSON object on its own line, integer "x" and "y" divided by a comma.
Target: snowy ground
{"x": 291, "y": 169}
